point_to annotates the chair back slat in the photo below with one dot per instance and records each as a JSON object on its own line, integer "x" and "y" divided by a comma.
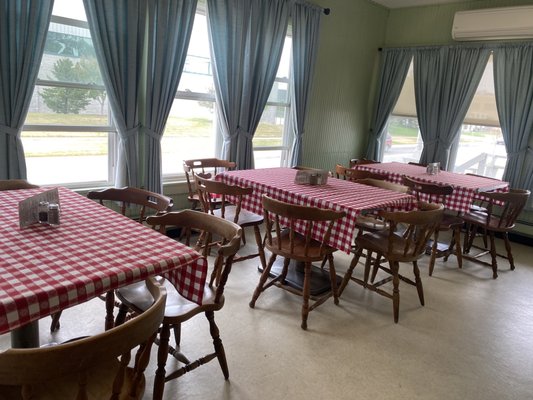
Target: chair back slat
{"x": 432, "y": 193}
{"x": 290, "y": 216}
{"x": 511, "y": 205}
{"x": 419, "y": 225}
{"x": 229, "y": 232}
{"x": 206, "y": 167}
{"x": 210, "y": 190}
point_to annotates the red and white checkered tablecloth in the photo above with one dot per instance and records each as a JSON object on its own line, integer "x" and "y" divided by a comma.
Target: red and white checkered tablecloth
{"x": 466, "y": 188}
{"x": 338, "y": 195}
{"x": 44, "y": 270}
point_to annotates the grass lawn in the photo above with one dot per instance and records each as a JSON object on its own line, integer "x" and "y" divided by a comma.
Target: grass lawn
{"x": 46, "y": 143}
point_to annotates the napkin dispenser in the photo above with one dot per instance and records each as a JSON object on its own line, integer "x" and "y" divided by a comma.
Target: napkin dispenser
{"x": 311, "y": 177}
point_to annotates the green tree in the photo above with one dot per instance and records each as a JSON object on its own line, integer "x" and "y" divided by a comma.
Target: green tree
{"x": 66, "y": 100}
{"x": 90, "y": 73}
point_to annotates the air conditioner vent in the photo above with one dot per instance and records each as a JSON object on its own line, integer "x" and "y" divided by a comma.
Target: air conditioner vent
{"x": 494, "y": 24}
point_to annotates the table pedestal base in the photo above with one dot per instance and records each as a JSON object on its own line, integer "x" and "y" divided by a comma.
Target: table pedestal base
{"x": 26, "y": 336}
{"x": 295, "y": 276}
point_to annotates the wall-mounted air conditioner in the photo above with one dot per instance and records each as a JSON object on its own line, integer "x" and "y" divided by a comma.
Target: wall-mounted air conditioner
{"x": 494, "y": 24}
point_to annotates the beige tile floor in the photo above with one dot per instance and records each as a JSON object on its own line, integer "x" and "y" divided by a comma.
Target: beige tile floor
{"x": 472, "y": 340}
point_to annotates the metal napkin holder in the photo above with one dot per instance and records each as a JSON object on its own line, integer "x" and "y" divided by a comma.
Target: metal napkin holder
{"x": 313, "y": 177}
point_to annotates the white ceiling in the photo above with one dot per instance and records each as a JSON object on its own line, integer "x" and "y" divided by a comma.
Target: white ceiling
{"x": 413, "y": 3}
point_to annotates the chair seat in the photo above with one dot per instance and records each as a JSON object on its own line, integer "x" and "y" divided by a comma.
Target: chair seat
{"x": 450, "y": 222}
{"x": 370, "y": 223}
{"x": 316, "y": 251}
{"x": 246, "y": 218}
{"x": 379, "y": 242}
{"x": 480, "y": 218}
{"x": 138, "y": 298}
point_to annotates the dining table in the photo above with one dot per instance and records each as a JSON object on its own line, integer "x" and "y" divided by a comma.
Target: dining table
{"x": 466, "y": 188}
{"x": 340, "y": 195}
{"x": 353, "y": 198}
{"x": 45, "y": 269}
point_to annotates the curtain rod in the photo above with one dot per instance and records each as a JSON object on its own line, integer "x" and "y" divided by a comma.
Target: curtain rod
{"x": 326, "y": 11}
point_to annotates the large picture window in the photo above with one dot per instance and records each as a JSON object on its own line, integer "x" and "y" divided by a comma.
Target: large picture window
{"x": 190, "y": 129}
{"x": 68, "y": 136}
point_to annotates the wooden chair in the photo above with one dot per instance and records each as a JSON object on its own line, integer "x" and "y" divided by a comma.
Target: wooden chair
{"x": 207, "y": 168}
{"x": 210, "y": 191}
{"x": 437, "y": 194}
{"x": 281, "y": 218}
{"x": 497, "y": 219}
{"x": 340, "y": 171}
{"x": 126, "y": 197}
{"x": 15, "y": 184}
{"x": 86, "y": 368}
{"x": 481, "y": 204}
{"x": 359, "y": 161}
{"x": 407, "y": 245}
{"x": 372, "y": 222}
{"x": 356, "y": 174}
{"x": 178, "y": 309}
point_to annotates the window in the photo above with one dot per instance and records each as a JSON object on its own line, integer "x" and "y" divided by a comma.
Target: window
{"x": 271, "y": 140}
{"x": 189, "y": 132}
{"x": 67, "y": 136}
{"x": 479, "y": 149}
{"x": 402, "y": 141}
{"x": 190, "y": 129}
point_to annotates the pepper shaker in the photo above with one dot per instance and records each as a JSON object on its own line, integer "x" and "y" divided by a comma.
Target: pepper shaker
{"x": 43, "y": 212}
{"x": 53, "y": 214}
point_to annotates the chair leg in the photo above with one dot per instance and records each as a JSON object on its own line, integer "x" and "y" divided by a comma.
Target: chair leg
{"x": 110, "y": 308}
{"x": 262, "y": 281}
{"x": 333, "y": 279}
{"x": 260, "y": 248}
{"x": 458, "y": 250}
{"x": 55, "y": 325}
{"x": 349, "y": 272}
{"x": 418, "y": 282}
{"x": 368, "y": 263}
{"x": 376, "y": 268}
{"x": 162, "y": 355}
{"x": 217, "y": 343}
{"x": 121, "y": 315}
{"x": 305, "y": 294}
{"x": 433, "y": 252}
{"x": 508, "y": 249}
{"x": 493, "y": 255}
{"x": 394, "y": 267}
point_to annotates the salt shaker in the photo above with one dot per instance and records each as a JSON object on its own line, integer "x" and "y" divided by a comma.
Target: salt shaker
{"x": 53, "y": 214}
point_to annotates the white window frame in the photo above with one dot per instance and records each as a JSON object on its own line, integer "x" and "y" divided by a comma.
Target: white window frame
{"x": 110, "y": 129}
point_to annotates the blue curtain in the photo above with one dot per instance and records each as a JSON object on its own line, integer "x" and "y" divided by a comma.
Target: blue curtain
{"x": 247, "y": 38}
{"x": 394, "y": 66}
{"x": 446, "y": 80}
{"x": 170, "y": 25}
{"x": 513, "y": 84}
{"x": 117, "y": 29}
{"x": 23, "y": 28}
{"x": 305, "y": 33}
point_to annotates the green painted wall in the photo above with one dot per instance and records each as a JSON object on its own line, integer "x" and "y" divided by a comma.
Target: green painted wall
{"x": 338, "y": 118}
{"x": 432, "y": 25}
